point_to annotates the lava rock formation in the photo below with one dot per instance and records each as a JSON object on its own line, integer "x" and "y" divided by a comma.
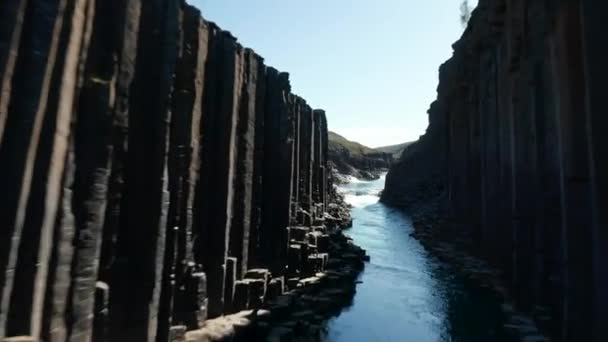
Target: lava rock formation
{"x": 514, "y": 156}
{"x": 148, "y": 163}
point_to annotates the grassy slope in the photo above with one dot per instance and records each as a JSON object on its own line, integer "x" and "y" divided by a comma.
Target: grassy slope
{"x": 338, "y": 143}
{"x": 395, "y": 150}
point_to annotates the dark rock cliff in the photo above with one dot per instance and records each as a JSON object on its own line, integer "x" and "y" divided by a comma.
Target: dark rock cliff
{"x": 148, "y": 161}
{"x": 514, "y": 156}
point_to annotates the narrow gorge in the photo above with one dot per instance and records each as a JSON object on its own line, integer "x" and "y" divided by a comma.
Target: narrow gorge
{"x": 160, "y": 183}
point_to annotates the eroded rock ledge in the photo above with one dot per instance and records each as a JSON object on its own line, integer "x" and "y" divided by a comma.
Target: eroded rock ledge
{"x": 513, "y": 164}
{"x": 300, "y": 313}
{"x": 155, "y": 174}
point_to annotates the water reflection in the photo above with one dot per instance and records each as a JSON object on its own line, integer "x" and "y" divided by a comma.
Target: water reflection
{"x": 406, "y": 295}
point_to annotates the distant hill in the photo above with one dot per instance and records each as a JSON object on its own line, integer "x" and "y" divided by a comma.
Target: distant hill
{"x": 338, "y": 142}
{"x": 355, "y": 159}
{"x": 395, "y": 150}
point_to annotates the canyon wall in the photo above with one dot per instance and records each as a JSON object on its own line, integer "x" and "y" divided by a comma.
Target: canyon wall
{"x": 513, "y": 160}
{"x": 149, "y": 163}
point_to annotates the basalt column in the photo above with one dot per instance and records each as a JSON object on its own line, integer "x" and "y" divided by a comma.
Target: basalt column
{"x": 305, "y": 166}
{"x": 223, "y": 82}
{"x": 279, "y": 128}
{"x": 127, "y": 31}
{"x": 320, "y": 160}
{"x": 79, "y": 226}
{"x": 257, "y": 201}
{"x": 45, "y": 85}
{"x": 244, "y": 175}
{"x": 295, "y": 106}
{"x": 137, "y": 272}
{"x": 178, "y": 304}
{"x": 596, "y": 50}
{"x": 11, "y": 28}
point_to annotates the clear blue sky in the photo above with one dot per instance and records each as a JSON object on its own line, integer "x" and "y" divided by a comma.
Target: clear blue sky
{"x": 371, "y": 64}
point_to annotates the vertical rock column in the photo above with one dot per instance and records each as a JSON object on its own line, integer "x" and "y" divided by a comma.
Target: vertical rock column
{"x": 137, "y": 272}
{"x": 12, "y": 14}
{"x": 81, "y": 220}
{"x": 306, "y": 154}
{"x": 223, "y": 84}
{"x": 44, "y": 87}
{"x": 127, "y": 31}
{"x": 595, "y": 46}
{"x": 184, "y": 166}
{"x": 319, "y": 178}
{"x": 279, "y": 128}
{"x": 295, "y": 107}
{"x": 25, "y": 87}
{"x": 244, "y": 174}
{"x": 257, "y": 200}
{"x": 327, "y": 186}
{"x": 489, "y": 149}
{"x": 575, "y": 168}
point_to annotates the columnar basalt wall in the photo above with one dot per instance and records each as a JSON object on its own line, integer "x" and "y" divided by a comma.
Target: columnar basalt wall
{"x": 514, "y": 154}
{"x": 152, "y": 168}
{"x": 320, "y": 172}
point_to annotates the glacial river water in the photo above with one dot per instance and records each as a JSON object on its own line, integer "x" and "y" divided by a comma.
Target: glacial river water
{"x": 406, "y": 294}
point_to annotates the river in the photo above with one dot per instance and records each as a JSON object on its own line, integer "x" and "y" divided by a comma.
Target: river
{"x": 405, "y": 294}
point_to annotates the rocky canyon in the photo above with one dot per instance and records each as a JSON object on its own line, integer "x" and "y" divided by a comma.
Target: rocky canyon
{"x": 160, "y": 183}
{"x": 512, "y": 167}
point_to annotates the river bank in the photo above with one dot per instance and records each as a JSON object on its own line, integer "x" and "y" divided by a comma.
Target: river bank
{"x": 299, "y": 314}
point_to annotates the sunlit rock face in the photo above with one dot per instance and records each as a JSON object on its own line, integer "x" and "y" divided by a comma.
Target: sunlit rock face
{"x": 148, "y": 161}
{"x": 513, "y": 156}
{"x": 350, "y": 158}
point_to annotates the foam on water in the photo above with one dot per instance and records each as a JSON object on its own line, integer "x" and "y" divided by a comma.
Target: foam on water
{"x": 359, "y": 201}
{"x": 353, "y": 179}
{"x": 360, "y": 193}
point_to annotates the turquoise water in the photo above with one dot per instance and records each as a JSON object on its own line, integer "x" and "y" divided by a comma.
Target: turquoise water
{"x": 405, "y": 294}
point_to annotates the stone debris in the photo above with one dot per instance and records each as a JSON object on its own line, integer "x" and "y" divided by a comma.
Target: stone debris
{"x": 299, "y": 313}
